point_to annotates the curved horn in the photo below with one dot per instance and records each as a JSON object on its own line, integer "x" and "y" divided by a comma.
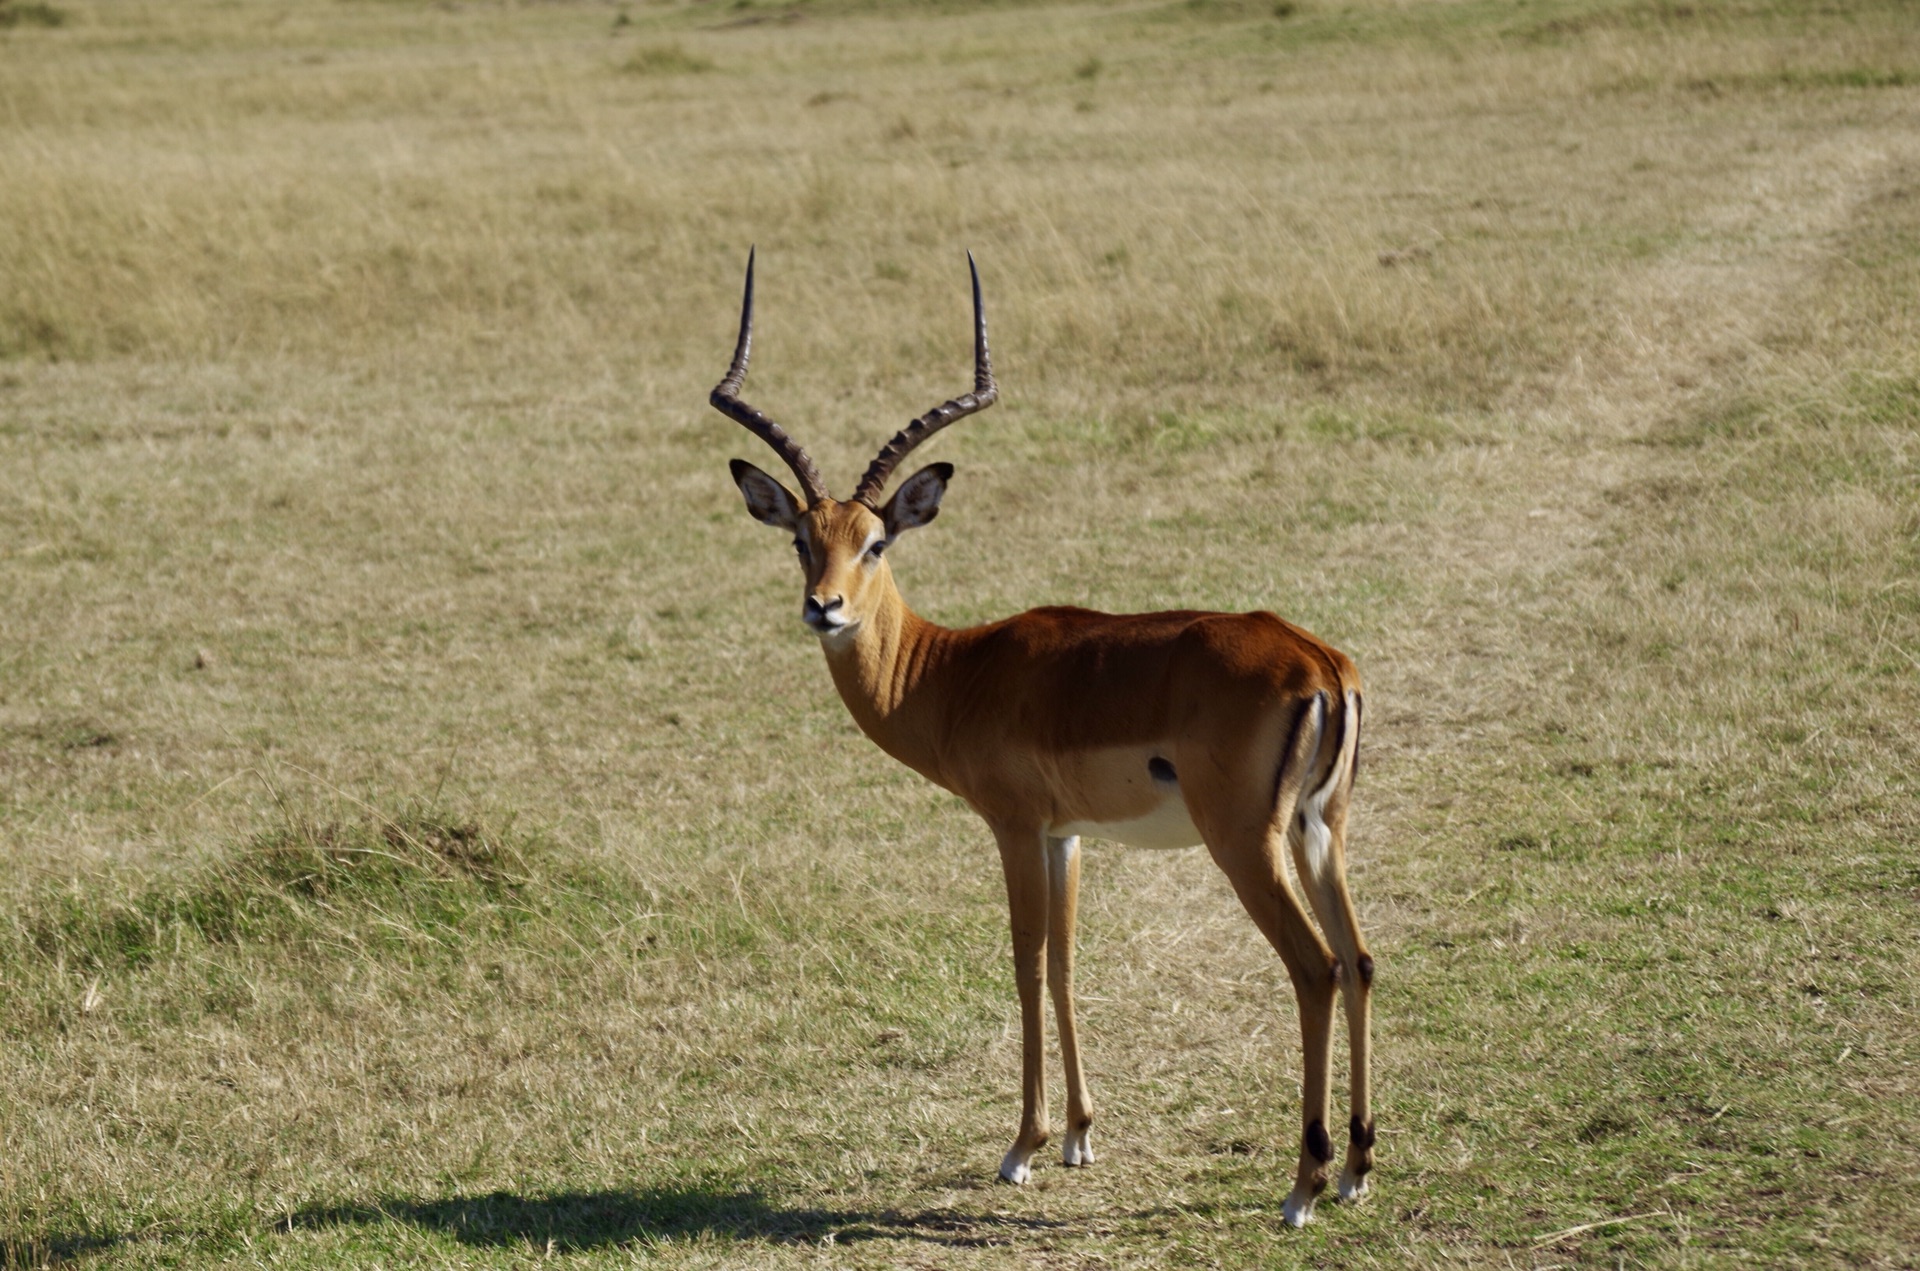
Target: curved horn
{"x": 984, "y": 393}
{"x": 725, "y": 399}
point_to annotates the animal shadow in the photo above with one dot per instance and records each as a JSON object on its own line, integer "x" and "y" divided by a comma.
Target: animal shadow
{"x": 576, "y": 1221}
{"x": 573, "y": 1221}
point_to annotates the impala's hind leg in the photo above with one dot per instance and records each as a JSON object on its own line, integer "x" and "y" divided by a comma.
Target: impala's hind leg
{"x": 1063, "y": 902}
{"x": 1244, "y": 826}
{"x": 1258, "y": 879}
{"x": 1318, "y": 835}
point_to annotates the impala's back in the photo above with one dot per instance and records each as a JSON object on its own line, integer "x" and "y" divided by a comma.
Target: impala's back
{"x": 1100, "y": 718}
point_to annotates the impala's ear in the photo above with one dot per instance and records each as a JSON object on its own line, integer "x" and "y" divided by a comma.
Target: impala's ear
{"x": 917, "y": 501}
{"x": 768, "y": 502}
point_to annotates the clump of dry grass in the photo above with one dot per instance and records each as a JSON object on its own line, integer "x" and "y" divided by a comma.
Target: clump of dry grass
{"x": 25, "y": 13}
{"x": 276, "y": 888}
{"x": 665, "y": 59}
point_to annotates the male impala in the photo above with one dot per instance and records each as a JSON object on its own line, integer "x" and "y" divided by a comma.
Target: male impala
{"x": 1157, "y": 730}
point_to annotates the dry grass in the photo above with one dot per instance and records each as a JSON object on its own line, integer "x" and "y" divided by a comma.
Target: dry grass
{"x": 432, "y": 839}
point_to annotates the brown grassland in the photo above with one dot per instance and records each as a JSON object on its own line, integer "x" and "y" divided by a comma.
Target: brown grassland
{"x": 430, "y": 838}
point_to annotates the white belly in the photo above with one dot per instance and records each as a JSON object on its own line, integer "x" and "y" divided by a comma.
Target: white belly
{"x": 1168, "y": 825}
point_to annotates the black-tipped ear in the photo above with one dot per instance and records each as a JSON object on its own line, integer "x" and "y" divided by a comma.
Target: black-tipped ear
{"x": 768, "y": 502}
{"x": 917, "y": 501}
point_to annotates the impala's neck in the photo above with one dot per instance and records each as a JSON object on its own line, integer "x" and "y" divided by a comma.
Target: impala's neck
{"x": 877, "y": 670}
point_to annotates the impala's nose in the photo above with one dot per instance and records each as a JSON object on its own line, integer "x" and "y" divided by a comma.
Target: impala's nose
{"x": 824, "y": 616}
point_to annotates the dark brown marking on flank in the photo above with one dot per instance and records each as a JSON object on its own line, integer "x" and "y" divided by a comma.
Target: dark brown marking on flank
{"x": 1299, "y": 722}
{"x": 1359, "y": 714}
{"x": 1341, "y": 725}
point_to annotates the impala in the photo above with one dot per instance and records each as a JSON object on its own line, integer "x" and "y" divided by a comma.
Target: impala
{"x": 1239, "y": 731}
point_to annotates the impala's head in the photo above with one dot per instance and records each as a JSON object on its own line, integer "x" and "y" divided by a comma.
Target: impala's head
{"x": 842, "y": 546}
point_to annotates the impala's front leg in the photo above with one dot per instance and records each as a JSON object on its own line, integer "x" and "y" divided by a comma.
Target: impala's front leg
{"x": 1063, "y": 903}
{"x": 1023, "y": 860}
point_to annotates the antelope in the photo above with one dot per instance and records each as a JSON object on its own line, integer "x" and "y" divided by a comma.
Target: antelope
{"x": 1157, "y": 730}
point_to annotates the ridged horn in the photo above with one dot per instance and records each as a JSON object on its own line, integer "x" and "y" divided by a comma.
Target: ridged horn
{"x": 984, "y": 393}
{"x": 725, "y": 398}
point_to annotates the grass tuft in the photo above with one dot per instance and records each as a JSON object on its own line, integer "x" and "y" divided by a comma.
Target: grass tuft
{"x": 19, "y": 13}
{"x": 287, "y": 885}
{"x": 666, "y": 59}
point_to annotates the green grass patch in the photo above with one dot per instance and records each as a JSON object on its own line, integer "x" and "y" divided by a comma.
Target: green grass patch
{"x": 290, "y": 883}
{"x": 665, "y": 59}
{"x": 25, "y": 13}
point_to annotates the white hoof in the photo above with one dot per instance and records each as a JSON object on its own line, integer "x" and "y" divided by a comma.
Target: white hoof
{"x": 1078, "y": 1149}
{"x": 1013, "y": 1168}
{"x": 1298, "y": 1209}
{"x": 1352, "y": 1186}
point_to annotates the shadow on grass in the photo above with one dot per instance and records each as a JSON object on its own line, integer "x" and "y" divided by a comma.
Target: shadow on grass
{"x": 575, "y": 1221}
{"x": 570, "y": 1221}
{"x": 52, "y": 1251}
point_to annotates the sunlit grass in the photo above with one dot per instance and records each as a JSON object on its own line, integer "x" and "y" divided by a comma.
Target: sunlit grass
{"x": 432, "y": 838}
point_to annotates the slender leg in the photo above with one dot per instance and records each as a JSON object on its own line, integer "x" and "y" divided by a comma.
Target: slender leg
{"x": 1244, "y": 819}
{"x": 1063, "y": 902}
{"x": 1318, "y": 836}
{"x": 1023, "y": 860}
{"x": 1254, "y": 870}
{"x": 1353, "y": 1178}
{"x": 1333, "y": 906}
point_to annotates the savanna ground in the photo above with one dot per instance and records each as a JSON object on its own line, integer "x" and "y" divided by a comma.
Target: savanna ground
{"x": 430, "y": 837}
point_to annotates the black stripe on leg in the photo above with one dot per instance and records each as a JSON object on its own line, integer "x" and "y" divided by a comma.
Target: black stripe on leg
{"x": 1316, "y": 1142}
{"x": 1361, "y": 1132}
{"x": 1366, "y": 969}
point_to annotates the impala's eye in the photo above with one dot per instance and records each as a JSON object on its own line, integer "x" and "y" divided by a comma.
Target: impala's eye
{"x": 878, "y": 547}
